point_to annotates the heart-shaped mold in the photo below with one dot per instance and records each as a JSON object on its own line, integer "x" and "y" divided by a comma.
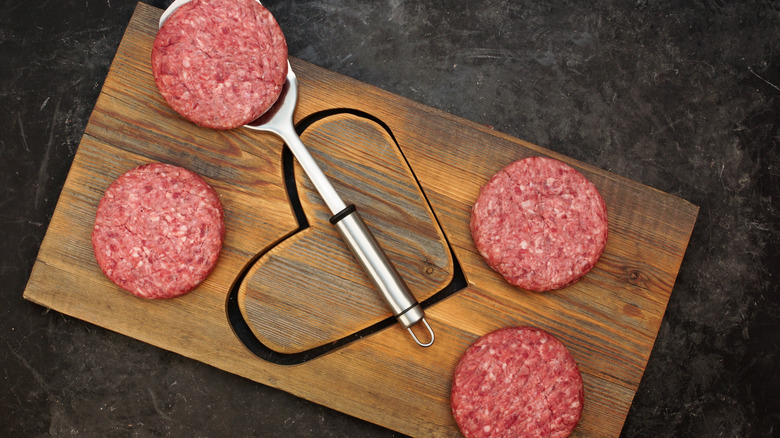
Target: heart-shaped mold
{"x": 306, "y": 294}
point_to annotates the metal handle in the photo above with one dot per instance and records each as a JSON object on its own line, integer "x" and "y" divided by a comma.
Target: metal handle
{"x": 383, "y": 274}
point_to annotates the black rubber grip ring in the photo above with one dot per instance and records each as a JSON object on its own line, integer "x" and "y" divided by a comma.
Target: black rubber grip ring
{"x": 348, "y": 210}
{"x": 407, "y": 309}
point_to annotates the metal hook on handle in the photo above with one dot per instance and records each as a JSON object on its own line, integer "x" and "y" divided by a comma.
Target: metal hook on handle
{"x": 430, "y": 331}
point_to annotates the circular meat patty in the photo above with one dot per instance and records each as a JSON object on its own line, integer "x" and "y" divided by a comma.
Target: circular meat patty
{"x": 158, "y": 231}
{"x": 540, "y": 224}
{"x": 517, "y": 382}
{"x": 220, "y": 63}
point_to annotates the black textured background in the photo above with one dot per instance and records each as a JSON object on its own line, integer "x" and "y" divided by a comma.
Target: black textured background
{"x": 683, "y": 97}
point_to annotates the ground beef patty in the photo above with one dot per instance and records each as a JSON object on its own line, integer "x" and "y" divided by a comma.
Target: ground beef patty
{"x": 540, "y": 224}
{"x": 517, "y": 382}
{"x": 158, "y": 231}
{"x": 220, "y": 63}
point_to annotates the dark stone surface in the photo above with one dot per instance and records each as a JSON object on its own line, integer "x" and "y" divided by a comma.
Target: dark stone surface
{"x": 681, "y": 97}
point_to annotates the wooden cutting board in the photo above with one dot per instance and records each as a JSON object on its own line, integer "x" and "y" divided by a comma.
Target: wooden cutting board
{"x": 286, "y": 305}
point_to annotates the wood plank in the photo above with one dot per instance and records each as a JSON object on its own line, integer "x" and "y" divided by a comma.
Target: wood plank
{"x": 432, "y": 166}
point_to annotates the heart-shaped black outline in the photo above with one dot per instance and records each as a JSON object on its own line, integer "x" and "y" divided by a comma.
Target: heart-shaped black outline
{"x": 235, "y": 318}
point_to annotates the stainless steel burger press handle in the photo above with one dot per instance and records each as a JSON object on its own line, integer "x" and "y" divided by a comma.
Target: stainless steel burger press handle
{"x": 279, "y": 120}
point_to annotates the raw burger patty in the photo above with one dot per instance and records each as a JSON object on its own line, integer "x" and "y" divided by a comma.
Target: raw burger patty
{"x": 540, "y": 224}
{"x": 220, "y": 63}
{"x": 158, "y": 231}
{"x": 517, "y": 382}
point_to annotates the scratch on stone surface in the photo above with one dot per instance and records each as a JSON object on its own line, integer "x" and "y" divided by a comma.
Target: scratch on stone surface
{"x": 488, "y": 53}
{"x": 21, "y": 131}
{"x": 760, "y": 227}
{"x": 157, "y": 407}
{"x": 42, "y": 170}
{"x": 36, "y": 375}
{"x": 760, "y": 77}
{"x": 669, "y": 125}
{"x": 342, "y": 61}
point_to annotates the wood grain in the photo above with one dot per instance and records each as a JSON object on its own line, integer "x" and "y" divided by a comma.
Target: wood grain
{"x": 432, "y": 166}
